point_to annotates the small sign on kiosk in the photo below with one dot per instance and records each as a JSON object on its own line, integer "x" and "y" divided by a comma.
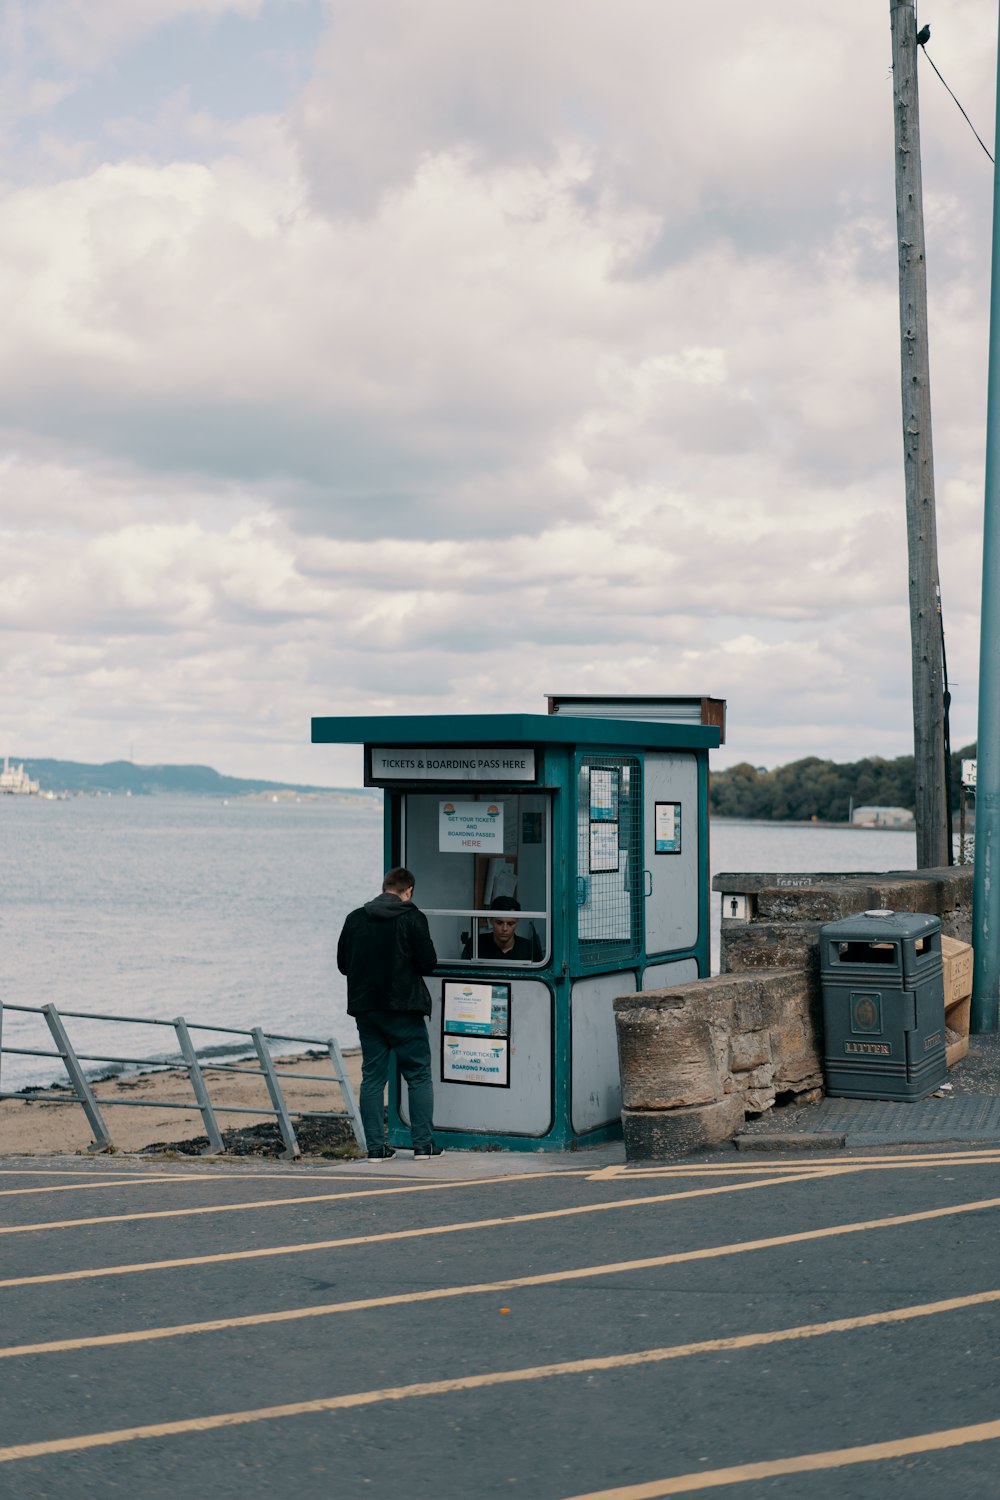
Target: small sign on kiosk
{"x": 475, "y": 1033}
{"x": 476, "y": 826}
{"x": 476, "y": 1009}
{"x": 667, "y": 833}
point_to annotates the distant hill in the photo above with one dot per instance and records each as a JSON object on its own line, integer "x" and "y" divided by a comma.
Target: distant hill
{"x": 156, "y": 781}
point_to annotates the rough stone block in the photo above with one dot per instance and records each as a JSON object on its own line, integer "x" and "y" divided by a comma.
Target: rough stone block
{"x": 756, "y": 1101}
{"x": 658, "y": 1135}
{"x": 770, "y": 945}
{"x": 799, "y": 1076}
{"x": 817, "y": 903}
{"x": 669, "y": 1057}
{"x": 891, "y": 893}
{"x": 748, "y": 1049}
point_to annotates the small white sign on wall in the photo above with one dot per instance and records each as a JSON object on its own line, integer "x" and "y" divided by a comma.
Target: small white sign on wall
{"x": 475, "y": 1059}
{"x": 470, "y": 827}
{"x": 734, "y": 908}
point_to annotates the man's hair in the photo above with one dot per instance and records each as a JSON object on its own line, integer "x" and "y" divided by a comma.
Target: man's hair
{"x": 398, "y": 880}
{"x": 504, "y": 903}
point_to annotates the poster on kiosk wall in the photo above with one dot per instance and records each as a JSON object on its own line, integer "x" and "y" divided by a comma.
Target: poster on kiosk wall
{"x": 475, "y": 1059}
{"x": 475, "y": 1033}
{"x": 470, "y": 827}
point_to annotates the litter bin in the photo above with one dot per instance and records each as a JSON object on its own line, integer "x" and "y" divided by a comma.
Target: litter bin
{"x": 883, "y": 1005}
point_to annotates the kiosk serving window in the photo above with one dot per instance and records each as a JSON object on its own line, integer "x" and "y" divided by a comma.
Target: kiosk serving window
{"x": 482, "y": 865}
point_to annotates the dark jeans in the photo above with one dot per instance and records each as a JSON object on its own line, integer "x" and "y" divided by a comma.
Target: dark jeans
{"x": 405, "y": 1033}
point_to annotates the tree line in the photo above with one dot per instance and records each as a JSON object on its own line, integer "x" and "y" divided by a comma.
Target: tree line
{"x": 820, "y": 789}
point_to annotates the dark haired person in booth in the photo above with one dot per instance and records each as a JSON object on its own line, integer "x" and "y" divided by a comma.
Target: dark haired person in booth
{"x": 502, "y": 943}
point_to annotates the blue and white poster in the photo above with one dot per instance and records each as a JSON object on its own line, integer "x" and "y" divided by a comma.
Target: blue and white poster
{"x": 476, "y": 1009}
{"x": 667, "y": 833}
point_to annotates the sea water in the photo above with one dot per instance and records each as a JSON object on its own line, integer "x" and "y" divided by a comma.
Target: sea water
{"x": 229, "y": 912}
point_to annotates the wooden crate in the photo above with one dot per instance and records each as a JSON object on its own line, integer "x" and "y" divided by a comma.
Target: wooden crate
{"x": 956, "y": 962}
{"x": 956, "y": 1019}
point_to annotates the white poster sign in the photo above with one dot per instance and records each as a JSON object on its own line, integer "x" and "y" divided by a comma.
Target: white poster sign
{"x": 475, "y": 1059}
{"x": 470, "y": 827}
{"x": 668, "y": 828}
{"x": 420, "y": 764}
{"x": 476, "y": 1009}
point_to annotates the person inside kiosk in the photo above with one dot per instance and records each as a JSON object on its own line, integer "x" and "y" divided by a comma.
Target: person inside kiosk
{"x": 484, "y": 863}
{"x": 502, "y": 943}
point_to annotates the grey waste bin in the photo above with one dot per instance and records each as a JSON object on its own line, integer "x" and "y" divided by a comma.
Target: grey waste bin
{"x": 883, "y": 1005}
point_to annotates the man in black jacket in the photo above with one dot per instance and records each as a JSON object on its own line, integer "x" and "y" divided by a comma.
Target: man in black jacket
{"x": 384, "y": 950}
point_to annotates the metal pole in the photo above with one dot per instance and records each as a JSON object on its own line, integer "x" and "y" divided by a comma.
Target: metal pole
{"x": 986, "y": 870}
{"x": 102, "y": 1140}
{"x": 350, "y": 1104}
{"x": 932, "y": 815}
{"x": 291, "y": 1151}
{"x": 215, "y": 1141}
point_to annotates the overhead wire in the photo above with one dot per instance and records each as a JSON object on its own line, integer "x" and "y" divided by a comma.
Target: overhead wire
{"x": 975, "y": 132}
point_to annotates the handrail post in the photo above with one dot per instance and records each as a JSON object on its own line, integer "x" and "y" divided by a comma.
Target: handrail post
{"x": 102, "y": 1140}
{"x": 197, "y": 1077}
{"x": 347, "y": 1092}
{"x": 277, "y": 1097}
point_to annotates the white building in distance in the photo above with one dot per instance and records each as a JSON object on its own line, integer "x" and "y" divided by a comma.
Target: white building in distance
{"x": 883, "y": 817}
{"x": 14, "y": 781}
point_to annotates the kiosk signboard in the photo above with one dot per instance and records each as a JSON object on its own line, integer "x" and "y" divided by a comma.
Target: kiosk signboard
{"x": 422, "y": 764}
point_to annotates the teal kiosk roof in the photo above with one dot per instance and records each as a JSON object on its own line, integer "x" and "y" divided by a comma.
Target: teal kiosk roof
{"x": 522, "y": 729}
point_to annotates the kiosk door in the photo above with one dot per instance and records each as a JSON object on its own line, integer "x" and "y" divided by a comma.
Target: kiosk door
{"x": 671, "y": 849}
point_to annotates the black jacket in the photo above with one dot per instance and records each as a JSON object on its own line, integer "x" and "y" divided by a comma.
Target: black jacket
{"x": 384, "y": 948}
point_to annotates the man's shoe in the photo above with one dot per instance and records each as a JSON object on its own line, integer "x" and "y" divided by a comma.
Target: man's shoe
{"x": 381, "y": 1153}
{"x": 424, "y": 1153}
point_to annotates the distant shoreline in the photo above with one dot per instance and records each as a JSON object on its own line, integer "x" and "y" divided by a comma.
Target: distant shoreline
{"x": 809, "y": 823}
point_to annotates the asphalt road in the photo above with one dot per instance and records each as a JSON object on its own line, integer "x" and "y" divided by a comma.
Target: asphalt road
{"x": 751, "y": 1328}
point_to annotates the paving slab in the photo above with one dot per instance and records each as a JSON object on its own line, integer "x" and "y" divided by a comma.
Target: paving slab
{"x": 879, "y": 1122}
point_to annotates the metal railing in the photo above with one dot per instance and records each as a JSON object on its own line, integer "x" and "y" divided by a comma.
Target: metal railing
{"x": 189, "y": 1062}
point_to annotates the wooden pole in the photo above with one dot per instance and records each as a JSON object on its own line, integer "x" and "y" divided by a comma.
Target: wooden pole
{"x": 933, "y": 816}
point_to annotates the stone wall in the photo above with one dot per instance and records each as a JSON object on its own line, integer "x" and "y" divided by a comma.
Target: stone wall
{"x": 696, "y": 1059}
{"x": 782, "y": 914}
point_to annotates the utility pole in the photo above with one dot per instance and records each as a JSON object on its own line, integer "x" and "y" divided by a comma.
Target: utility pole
{"x": 933, "y": 816}
{"x": 986, "y": 877}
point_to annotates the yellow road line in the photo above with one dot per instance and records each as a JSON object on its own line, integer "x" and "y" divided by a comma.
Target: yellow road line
{"x": 80, "y": 1187}
{"x": 402, "y": 1187}
{"x": 805, "y": 1463}
{"x": 225, "y": 1257}
{"x": 694, "y": 1169}
{"x": 495, "y": 1378}
{"x": 647, "y": 1262}
{"x": 552, "y": 1278}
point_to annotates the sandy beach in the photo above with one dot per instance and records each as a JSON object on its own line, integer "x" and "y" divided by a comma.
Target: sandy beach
{"x": 44, "y": 1129}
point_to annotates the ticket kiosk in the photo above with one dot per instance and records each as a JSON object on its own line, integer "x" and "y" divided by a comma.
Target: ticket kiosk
{"x": 560, "y": 861}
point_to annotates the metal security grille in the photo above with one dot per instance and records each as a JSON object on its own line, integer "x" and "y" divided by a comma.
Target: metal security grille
{"x": 609, "y": 859}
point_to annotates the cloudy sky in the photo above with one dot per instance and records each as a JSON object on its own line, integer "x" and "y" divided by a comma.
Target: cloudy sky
{"x": 399, "y": 356}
